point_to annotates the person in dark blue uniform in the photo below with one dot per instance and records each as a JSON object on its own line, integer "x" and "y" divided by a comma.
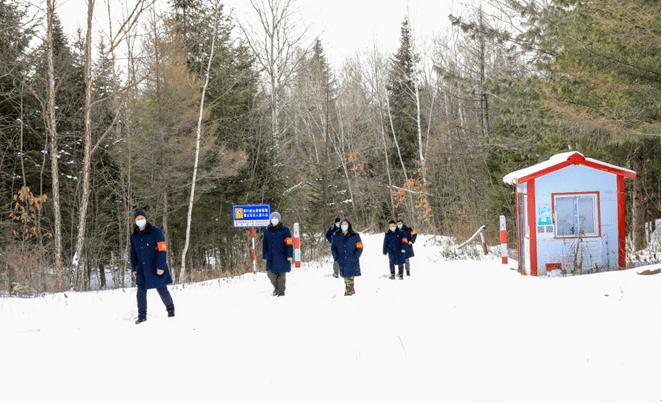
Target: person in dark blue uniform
{"x": 394, "y": 248}
{"x": 277, "y": 252}
{"x": 329, "y": 235}
{"x": 149, "y": 264}
{"x": 410, "y": 236}
{"x": 347, "y": 247}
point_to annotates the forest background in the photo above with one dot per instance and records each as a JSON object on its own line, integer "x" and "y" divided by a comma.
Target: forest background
{"x": 200, "y": 111}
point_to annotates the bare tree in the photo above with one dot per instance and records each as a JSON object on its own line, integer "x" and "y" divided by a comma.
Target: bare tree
{"x": 274, "y": 44}
{"x": 182, "y": 273}
{"x": 51, "y": 123}
{"x": 89, "y": 150}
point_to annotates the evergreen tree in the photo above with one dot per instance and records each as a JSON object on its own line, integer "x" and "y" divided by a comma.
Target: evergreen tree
{"x": 402, "y": 98}
{"x": 594, "y": 88}
{"x": 16, "y": 139}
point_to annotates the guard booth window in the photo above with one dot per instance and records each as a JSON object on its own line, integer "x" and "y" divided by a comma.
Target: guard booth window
{"x": 576, "y": 215}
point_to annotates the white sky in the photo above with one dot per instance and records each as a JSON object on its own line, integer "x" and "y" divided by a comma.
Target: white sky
{"x": 344, "y": 26}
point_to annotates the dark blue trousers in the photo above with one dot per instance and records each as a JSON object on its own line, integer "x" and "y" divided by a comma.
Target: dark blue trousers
{"x": 142, "y": 301}
{"x": 391, "y": 265}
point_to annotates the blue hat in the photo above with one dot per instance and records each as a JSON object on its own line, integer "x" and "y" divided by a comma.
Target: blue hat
{"x": 337, "y": 219}
{"x": 139, "y": 212}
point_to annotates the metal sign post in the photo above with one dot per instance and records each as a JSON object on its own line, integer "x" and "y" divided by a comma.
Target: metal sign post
{"x": 297, "y": 251}
{"x": 253, "y": 215}
{"x": 482, "y": 240}
{"x": 504, "y": 240}
{"x": 253, "y": 240}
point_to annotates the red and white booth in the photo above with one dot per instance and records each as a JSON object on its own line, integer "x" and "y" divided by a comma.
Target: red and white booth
{"x": 570, "y": 215}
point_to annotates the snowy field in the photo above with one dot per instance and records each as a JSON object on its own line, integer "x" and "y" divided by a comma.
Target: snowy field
{"x": 455, "y": 331}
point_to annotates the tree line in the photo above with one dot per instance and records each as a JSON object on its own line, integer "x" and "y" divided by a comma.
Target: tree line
{"x": 257, "y": 115}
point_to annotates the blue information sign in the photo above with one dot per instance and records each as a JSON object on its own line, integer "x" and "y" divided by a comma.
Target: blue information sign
{"x": 254, "y": 215}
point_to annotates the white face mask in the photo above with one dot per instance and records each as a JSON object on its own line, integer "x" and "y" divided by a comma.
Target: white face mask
{"x": 337, "y": 224}
{"x": 141, "y": 223}
{"x": 274, "y": 221}
{"x": 391, "y": 228}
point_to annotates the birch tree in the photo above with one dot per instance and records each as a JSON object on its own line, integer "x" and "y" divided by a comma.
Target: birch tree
{"x": 182, "y": 273}
{"x": 51, "y": 122}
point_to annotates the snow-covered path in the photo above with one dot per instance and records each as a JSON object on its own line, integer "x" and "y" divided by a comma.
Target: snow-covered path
{"x": 458, "y": 331}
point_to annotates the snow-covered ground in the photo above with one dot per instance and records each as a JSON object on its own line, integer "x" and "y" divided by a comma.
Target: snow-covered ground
{"x": 455, "y": 331}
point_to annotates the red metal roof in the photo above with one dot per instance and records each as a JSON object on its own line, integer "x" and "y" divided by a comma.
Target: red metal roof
{"x": 563, "y": 160}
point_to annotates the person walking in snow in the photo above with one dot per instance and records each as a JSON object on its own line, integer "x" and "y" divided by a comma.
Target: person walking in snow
{"x": 347, "y": 247}
{"x": 149, "y": 264}
{"x": 410, "y": 237}
{"x": 277, "y": 252}
{"x": 329, "y": 235}
{"x": 395, "y": 249}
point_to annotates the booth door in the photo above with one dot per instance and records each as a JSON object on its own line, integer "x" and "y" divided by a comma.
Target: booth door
{"x": 522, "y": 240}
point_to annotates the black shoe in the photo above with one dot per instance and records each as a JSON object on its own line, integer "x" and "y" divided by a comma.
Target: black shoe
{"x": 171, "y": 314}
{"x": 280, "y": 295}
{"x": 140, "y": 320}
{"x": 408, "y": 272}
{"x": 274, "y": 293}
{"x": 335, "y": 275}
{"x": 400, "y": 276}
{"x": 392, "y": 276}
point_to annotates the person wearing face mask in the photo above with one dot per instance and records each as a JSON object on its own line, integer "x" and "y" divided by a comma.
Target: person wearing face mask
{"x": 410, "y": 236}
{"x": 395, "y": 249}
{"x": 329, "y": 235}
{"x": 347, "y": 247}
{"x": 149, "y": 264}
{"x": 277, "y": 252}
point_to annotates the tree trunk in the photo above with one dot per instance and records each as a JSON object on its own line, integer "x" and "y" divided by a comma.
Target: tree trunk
{"x": 420, "y": 132}
{"x": 102, "y": 276}
{"x": 341, "y": 156}
{"x": 182, "y": 271}
{"x": 388, "y": 173}
{"x": 325, "y": 180}
{"x": 53, "y": 151}
{"x": 87, "y": 141}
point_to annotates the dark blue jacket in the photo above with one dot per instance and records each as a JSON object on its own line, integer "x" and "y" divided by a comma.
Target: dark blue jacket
{"x": 330, "y": 232}
{"x": 410, "y": 234}
{"x": 149, "y": 253}
{"x": 277, "y": 247}
{"x": 347, "y": 250}
{"x": 393, "y": 246}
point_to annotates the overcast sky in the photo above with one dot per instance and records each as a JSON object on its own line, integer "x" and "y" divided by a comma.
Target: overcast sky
{"x": 344, "y": 26}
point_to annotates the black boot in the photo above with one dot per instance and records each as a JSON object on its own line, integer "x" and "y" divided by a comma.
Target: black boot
{"x": 392, "y": 276}
{"x": 140, "y": 320}
{"x": 408, "y": 272}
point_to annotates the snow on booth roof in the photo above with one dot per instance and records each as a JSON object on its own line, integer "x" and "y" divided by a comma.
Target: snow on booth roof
{"x": 562, "y": 160}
